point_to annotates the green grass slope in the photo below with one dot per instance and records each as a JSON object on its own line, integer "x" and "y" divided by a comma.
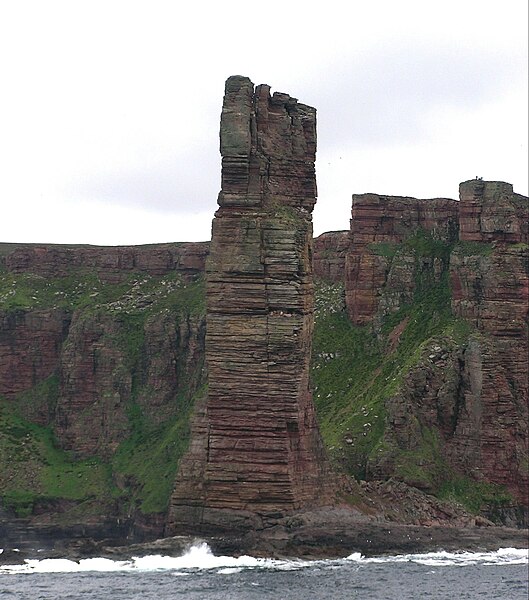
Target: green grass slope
{"x": 357, "y": 371}
{"x": 34, "y": 471}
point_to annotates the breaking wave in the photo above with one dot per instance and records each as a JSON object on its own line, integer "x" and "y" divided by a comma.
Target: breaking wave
{"x": 200, "y": 557}
{"x": 503, "y": 556}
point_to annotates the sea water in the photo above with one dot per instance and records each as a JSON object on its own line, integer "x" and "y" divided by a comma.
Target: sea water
{"x": 199, "y": 575}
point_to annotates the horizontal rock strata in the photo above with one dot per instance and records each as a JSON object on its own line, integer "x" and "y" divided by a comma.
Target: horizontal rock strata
{"x": 473, "y": 394}
{"x": 490, "y": 211}
{"x": 330, "y": 250}
{"x": 255, "y": 447}
{"x": 378, "y": 224}
{"x": 490, "y": 288}
{"x": 110, "y": 263}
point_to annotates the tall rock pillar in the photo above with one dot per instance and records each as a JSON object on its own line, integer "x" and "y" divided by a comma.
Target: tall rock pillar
{"x": 255, "y": 448}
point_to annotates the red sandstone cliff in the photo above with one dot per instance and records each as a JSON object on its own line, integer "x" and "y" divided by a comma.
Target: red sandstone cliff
{"x": 490, "y": 289}
{"x": 379, "y": 224}
{"x": 85, "y": 365}
{"x": 470, "y": 395}
{"x": 110, "y": 263}
{"x": 255, "y": 449}
{"x": 328, "y": 260}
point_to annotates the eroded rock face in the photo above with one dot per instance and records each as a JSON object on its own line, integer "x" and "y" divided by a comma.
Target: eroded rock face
{"x": 255, "y": 446}
{"x": 490, "y": 288}
{"x": 99, "y": 374}
{"x": 330, "y": 250}
{"x": 109, "y": 263}
{"x": 469, "y": 393}
{"x": 95, "y": 386}
{"x": 81, "y": 356}
{"x": 30, "y": 347}
{"x": 379, "y": 225}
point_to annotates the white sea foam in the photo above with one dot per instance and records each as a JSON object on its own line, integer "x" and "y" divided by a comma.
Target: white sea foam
{"x": 503, "y": 556}
{"x": 64, "y": 565}
{"x": 197, "y": 557}
{"x": 229, "y": 570}
{"x": 200, "y": 557}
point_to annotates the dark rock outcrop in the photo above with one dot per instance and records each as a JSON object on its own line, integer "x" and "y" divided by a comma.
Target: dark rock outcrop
{"x": 99, "y": 377}
{"x": 255, "y": 448}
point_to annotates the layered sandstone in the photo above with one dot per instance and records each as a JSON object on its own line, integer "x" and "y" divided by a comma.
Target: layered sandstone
{"x": 490, "y": 288}
{"x": 255, "y": 447}
{"x": 470, "y": 394}
{"x": 330, "y": 250}
{"x": 380, "y": 224}
{"x": 114, "y": 263}
{"x": 30, "y": 348}
{"x": 74, "y": 364}
{"x": 110, "y": 263}
{"x": 492, "y": 212}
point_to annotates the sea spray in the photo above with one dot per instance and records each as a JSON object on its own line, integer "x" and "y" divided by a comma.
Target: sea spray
{"x": 503, "y": 556}
{"x": 199, "y": 557}
{"x": 198, "y": 574}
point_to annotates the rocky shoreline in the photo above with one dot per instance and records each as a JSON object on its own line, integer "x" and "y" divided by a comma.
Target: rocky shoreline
{"x": 328, "y": 533}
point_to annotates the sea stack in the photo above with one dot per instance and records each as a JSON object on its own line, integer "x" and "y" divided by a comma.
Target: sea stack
{"x": 255, "y": 450}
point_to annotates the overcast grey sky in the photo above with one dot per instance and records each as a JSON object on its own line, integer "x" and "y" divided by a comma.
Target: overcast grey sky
{"x": 109, "y": 110}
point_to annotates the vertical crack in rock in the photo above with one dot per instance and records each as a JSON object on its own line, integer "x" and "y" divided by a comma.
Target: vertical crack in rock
{"x": 255, "y": 448}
